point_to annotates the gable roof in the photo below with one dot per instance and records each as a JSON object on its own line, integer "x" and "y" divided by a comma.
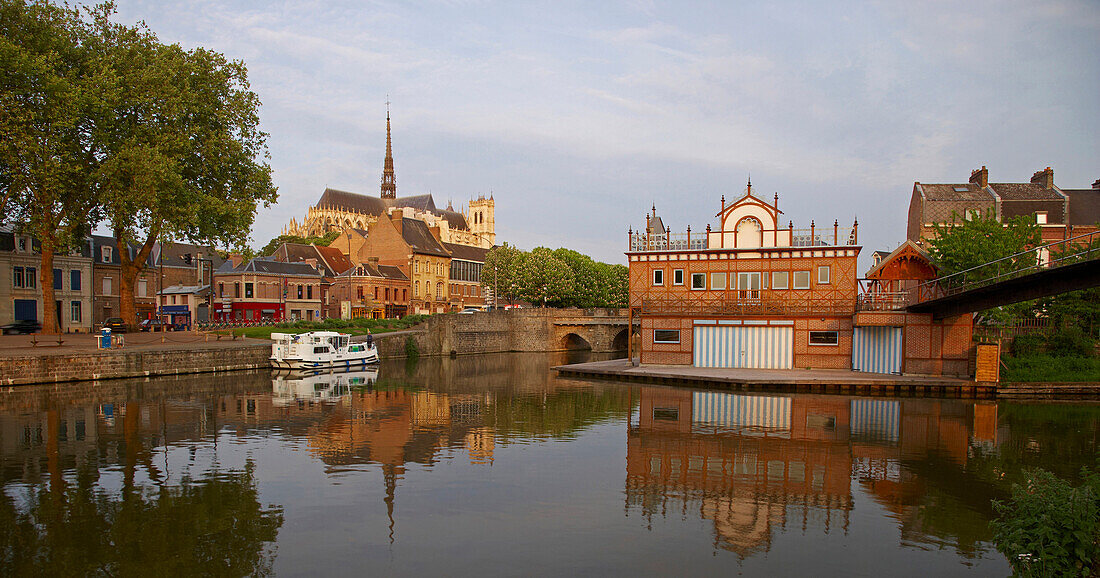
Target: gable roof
{"x": 1025, "y": 192}
{"x": 466, "y": 253}
{"x": 172, "y": 255}
{"x": 368, "y": 270}
{"x": 955, "y": 192}
{"x": 420, "y": 238}
{"x": 908, "y": 248}
{"x": 336, "y": 260}
{"x": 261, "y": 265}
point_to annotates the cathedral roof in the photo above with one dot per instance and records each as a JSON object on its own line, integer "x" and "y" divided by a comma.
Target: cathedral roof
{"x": 348, "y": 201}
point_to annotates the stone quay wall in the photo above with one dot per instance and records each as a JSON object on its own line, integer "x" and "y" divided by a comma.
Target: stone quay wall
{"x": 513, "y": 330}
{"x": 85, "y": 365}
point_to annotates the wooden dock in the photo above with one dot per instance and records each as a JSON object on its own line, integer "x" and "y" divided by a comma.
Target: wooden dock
{"x": 841, "y": 381}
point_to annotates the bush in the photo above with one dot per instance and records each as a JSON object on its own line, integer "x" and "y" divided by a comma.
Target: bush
{"x": 1050, "y": 528}
{"x": 412, "y": 351}
{"x": 1071, "y": 342}
{"x": 1047, "y": 368}
{"x": 1026, "y": 345}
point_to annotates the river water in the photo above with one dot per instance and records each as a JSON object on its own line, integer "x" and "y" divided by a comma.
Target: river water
{"x": 493, "y": 465}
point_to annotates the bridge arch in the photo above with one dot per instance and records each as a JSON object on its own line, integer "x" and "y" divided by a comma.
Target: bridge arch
{"x": 572, "y": 341}
{"x": 620, "y": 341}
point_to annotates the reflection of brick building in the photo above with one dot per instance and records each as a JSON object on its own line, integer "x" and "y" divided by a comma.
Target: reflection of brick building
{"x": 742, "y": 460}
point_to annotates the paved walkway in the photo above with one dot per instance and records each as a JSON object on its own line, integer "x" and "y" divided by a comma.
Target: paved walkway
{"x": 825, "y": 379}
{"x": 23, "y": 345}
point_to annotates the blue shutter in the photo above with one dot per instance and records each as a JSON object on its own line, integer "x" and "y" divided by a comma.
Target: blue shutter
{"x": 74, "y": 279}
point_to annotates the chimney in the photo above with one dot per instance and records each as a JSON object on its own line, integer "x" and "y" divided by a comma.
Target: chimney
{"x": 236, "y": 259}
{"x": 980, "y": 177}
{"x": 373, "y": 261}
{"x": 1044, "y": 178}
{"x": 397, "y": 216}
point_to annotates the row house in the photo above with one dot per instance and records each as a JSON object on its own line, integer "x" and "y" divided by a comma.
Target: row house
{"x": 1059, "y": 213}
{"x": 20, "y": 283}
{"x": 754, "y": 294}
{"x": 267, "y": 290}
{"x": 182, "y": 306}
{"x": 371, "y": 290}
{"x": 415, "y": 249}
{"x": 330, "y": 261}
{"x": 464, "y": 285}
{"x": 106, "y": 282}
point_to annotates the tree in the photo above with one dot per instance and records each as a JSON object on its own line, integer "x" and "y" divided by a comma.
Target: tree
{"x": 543, "y": 278}
{"x": 965, "y": 247}
{"x": 51, "y": 92}
{"x": 499, "y": 273}
{"x": 180, "y": 148}
{"x": 589, "y": 288}
{"x": 322, "y": 241}
{"x": 618, "y": 282}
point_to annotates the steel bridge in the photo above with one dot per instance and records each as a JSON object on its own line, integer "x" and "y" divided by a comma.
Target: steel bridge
{"x": 1051, "y": 269}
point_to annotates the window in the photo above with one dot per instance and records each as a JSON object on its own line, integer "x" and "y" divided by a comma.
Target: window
{"x": 658, "y": 276}
{"x": 698, "y": 281}
{"x": 438, "y": 290}
{"x": 309, "y": 291}
{"x": 387, "y": 293}
{"x": 748, "y": 285}
{"x": 173, "y": 300}
{"x": 416, "y": 290}
{"x": 299, "y": 291}
{"x": 237, "y": 289}
{"x": 404, "y": 294}
{"x": 248, "y": 290}
{"x": 359, "y": 292}
{"x": 143, "y": 288}
{"x": 801, "y": 279}
{"x": 74, "y": 279}
{"x": 30, "y": 280}
{"x": 17, "y": 277}
{"x": 221, "y": 289}
{"x": 678, "y": 277}
{"x": 376, "y": 294}
{"x": 1041, "y": 218}
{"x": 74, "y": 312}
{"x": 823, "y": 275}
{"x": 780, "y": 280}
{"x": 107, "y": 286}
{"x": 666, "y": 336}
{"x": 824, "y": 338}
{"x": 22, "y": 244}
{"x": 58, "y": 280}
{"x": 105, "y": 254}
{"x": 717, "y": 281}
{"x": 416, "y": 266}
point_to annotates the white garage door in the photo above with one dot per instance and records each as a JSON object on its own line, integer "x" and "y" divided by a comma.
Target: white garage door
{"x": 744, "y": 347}
{"x": 877, "y": 349}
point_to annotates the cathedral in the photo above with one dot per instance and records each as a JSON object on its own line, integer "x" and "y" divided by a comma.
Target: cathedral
{"x": 340, "y": 210}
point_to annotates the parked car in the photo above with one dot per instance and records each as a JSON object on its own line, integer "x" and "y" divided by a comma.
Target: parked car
{"x": 115, "y": 324}
{"x": 469, "y": 311}
{"x": 153, "y": 325}
{"x": 22, "y": 326}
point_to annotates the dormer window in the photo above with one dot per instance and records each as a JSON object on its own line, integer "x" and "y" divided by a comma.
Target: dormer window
{"x": 1041, "y": 218}
{"x": 22, "y": 244}
{"x": 105, "y": 254}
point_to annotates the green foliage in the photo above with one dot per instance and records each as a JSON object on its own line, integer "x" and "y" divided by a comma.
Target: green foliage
{"x": 539, "y": 276}
{"x": 1050, "y": 528}
{"x": 544, "y": 279}
{"x": 412, "y": 350}
{"x": 1025, "y": 345}
{"x": 1047, "y": 368}
{"x": 1071, "y": 342}
{"x": 351, "y": 326}
{"x": 322, "y": 241}
{"x": 960, "y": 247}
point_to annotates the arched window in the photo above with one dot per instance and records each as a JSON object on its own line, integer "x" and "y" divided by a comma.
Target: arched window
{"x": 750, "y": 233}
{"x": 439, "y": 290}
{"x": 427, "y": 290}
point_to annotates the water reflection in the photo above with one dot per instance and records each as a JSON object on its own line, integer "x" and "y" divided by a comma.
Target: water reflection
{"x": 235, "y": 469}
{"x": 752, "y": 463}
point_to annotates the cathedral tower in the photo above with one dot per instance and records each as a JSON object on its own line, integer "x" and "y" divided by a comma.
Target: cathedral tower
{"x": 482, "y": 220}
{"x": 389, "y": 183}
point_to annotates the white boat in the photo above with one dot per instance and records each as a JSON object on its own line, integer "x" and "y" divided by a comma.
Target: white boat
{"x": 320, "y": 349}
{"x": 290, "y": 386}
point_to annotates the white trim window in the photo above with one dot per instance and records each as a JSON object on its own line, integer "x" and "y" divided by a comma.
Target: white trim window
{"x": 824, "y": 338}
{"x": 677, "y": 276}
{"x": 666, "y": 336}
{"x": 823, "y": 275}
{"x": 105, "y": 254}
{"x": 698, "y": 281}
{"x": 717, "y": 281}
{"x": 658, "y": 276}
{"x": 801, "y": 279}
{"x": 780, "y": 280}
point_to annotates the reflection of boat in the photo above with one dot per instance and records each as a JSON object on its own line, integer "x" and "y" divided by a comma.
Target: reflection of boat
{"x": 318, "y": 385}
{"x": 318, "y": 349}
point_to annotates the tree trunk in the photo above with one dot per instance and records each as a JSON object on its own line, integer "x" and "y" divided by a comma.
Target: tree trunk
{"x": 128, "y": 273}
{"x": 49, "y": 307}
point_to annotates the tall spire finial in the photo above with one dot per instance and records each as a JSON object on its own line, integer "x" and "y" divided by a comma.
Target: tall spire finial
{"x": 750, "y": 183}
{"x": 389, "y": 182}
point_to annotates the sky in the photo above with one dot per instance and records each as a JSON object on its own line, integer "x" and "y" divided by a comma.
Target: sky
{"x": 579, "y": 116}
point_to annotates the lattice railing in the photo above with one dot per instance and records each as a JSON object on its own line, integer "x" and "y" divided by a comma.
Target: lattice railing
{"x": 737, "y": 306}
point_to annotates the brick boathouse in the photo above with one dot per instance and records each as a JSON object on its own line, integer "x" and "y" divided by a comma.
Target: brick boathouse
{"x": 753, "y": 294}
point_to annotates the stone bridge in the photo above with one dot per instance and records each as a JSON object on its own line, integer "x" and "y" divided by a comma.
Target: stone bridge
{"x": 599, "y": 330}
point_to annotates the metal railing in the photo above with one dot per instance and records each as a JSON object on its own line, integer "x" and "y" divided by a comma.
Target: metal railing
{"x": 1085, "y": 247}
{"x": 697, "y": 241}
{"x": 734, "y": 306}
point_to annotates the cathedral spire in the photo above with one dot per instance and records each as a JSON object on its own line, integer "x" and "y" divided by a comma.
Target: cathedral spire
{"x": 389, "y": 184}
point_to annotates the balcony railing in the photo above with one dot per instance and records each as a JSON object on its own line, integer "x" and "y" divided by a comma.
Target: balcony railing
{"x": 734, "y": 305}
{"x": 697, "y": 241}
